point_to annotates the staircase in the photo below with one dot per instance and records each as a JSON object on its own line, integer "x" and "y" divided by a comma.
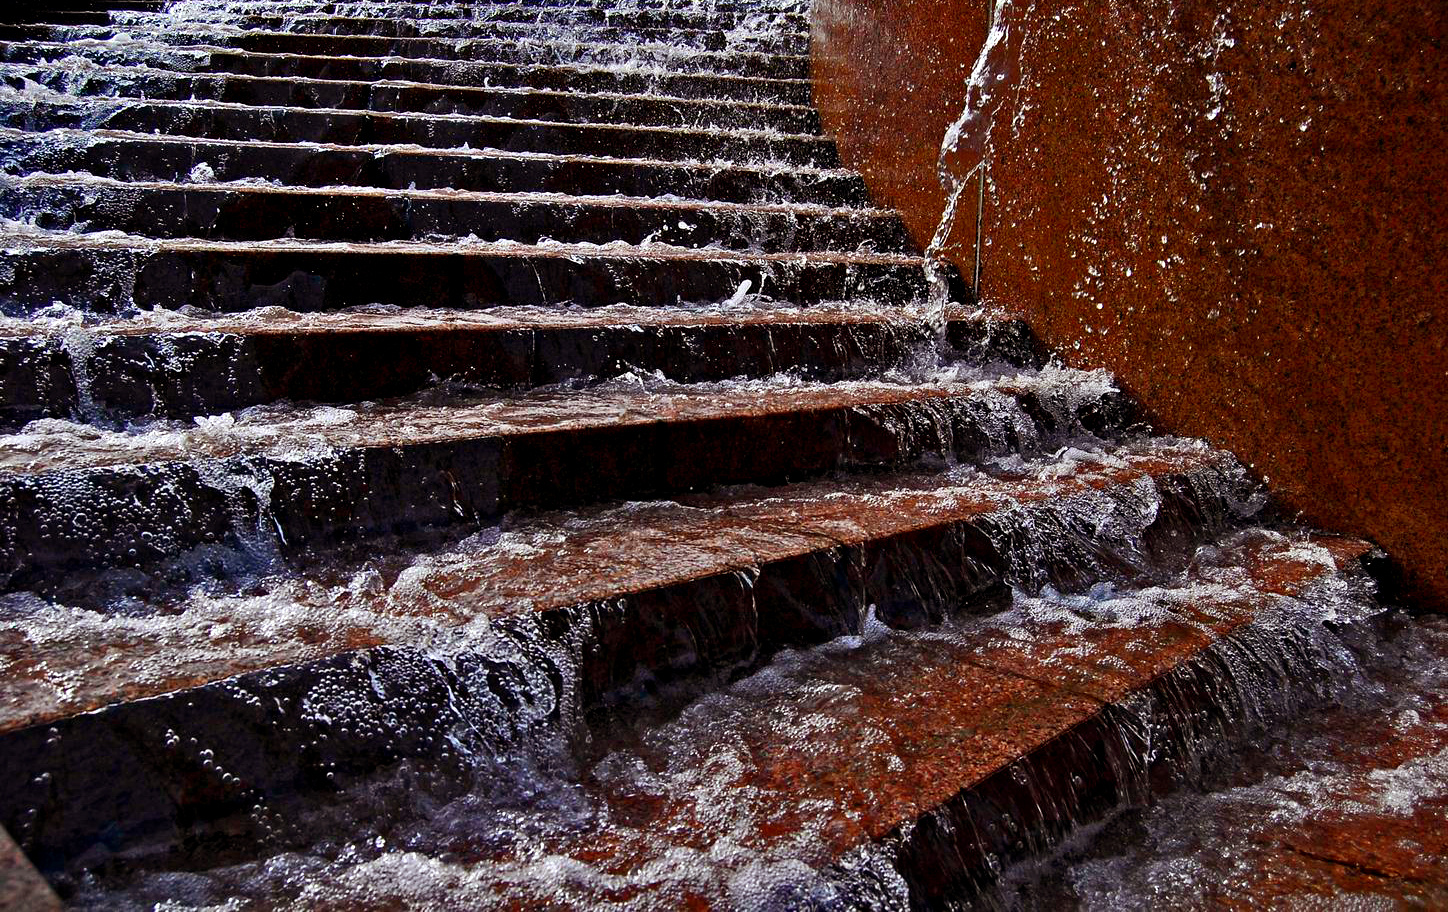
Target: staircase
{"x": 463, "y": 455}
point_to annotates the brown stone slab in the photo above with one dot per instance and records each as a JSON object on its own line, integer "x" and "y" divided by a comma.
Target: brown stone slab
{"x": 216, "y": 120}
{"x": 244, "y": 212}
{"x": 281, "y": 480}
{"x": 22, "y": 889}
{"x": 215, "y": 59}
{"x": 1108, "y": 662}
{"x": 170, "y": 365}
{"x": 525, "y": 102}
{"x": 138, "y": 155}
{"x": 644, "y": 597}
{"x": 897, "y": 744}
{"x": 684, "y": 60}
{"x": 286, "y": 431}
{"x": 120, "y": 276}
{"x": 62, "y": 661}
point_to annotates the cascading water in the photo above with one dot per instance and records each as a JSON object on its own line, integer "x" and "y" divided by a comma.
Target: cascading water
{"x": 738, "y": 569}
{"x": 964, "y": 158}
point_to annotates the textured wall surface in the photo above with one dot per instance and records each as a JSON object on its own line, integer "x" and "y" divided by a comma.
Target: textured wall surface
{"x": 1237, "y": 207}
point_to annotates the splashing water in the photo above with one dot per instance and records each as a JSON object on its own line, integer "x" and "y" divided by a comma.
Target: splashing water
{"x": 964, "y": 156}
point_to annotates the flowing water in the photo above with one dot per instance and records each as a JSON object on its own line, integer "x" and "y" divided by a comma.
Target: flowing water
{"x": 448, "y": 679}
{"x": 687, "y": 802}
{"x": 1339, "y": 806}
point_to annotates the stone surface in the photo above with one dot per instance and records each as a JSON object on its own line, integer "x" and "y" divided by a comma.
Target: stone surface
{"x": 22, "y": 889}
{"x": 1236, "y": 207}
{"x": 107, "y": 722}
{"x": 75, "y": 500}
{"x": 177, "y": 368}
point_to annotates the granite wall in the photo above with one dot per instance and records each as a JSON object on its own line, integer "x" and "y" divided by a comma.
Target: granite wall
{"x": 1237, "y": 207}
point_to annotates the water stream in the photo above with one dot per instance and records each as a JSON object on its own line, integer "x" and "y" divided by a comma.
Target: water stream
{"x": 689, "y": 800}
{"x": 441, "y": 682}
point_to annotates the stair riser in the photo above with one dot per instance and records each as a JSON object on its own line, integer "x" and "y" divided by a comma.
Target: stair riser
{"x": 86, "y": 520}
{"x": 175, "y": 159}
{"x": 135, "y": 768}
{"x": 560, "y": 15}
{"x": 1145, "y": 745}
{"x": 293, "y": 125}
{"x": 59, "y": 17}
{"x": 741, "y": 62}
{"x": 363, "y": 96}
{"x": 374, "y": 69}
{"x": 219, "y": 214}
{"x": 117, "y": 281}
{"x": 534, "y": 8}
{"x": 618, "y": 31}
{"x": 180, "y": 376}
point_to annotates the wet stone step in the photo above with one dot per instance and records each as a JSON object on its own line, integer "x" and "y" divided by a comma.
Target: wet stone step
{"x": 184, "y": 367}
{"x": 619, "y": 603}
{"x": 219, "y": 120}
{"x": 933, "y": 761}
{"x": 454, "y": 21}
{"x": 567, "y": 106}
{"x": 106, "y": 275}
{"x": 648, "y": 56}
{"x": 265, "y": 212}
{"x": 280, "y": 480}
{"x": 441, "y": 72}
{"x": 1344, "y": 811}
{"x": 57, "y": 17}
{"x": 618, "y": 30}
{"x": 485, "y": 9}
{"x": 717, "y": 16}
{"x": 124, "y": 156}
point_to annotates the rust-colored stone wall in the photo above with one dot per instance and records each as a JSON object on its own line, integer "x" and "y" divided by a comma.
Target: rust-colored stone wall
{"x": 1237, "y": 207}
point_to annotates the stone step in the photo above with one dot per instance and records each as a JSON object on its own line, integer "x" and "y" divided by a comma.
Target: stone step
{"x": 717, "y": 16}
{"x": 84, "y": 5}
{"x": 68, "y": 17}
{"x": 256, "y": 212}
{"x": 107, "y": 274}
{"x": 393, "y": 96}
{"x": 282, "y": 480}
{"x": 618, "y": 29}
{"x": 129, "y": 156}
{"x": 209, "y": 58}
{"x": 219, "y": 120}
{"x": 661, "y": 56}
{"x": 179, "y": 725}
{"x": 908, "y": 771}
{"x": 536, "y": 8}
{"x": 185, "y": 367}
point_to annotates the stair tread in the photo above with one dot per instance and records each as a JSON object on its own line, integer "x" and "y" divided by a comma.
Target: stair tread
{"x": 764, "y": 108}
{"x": 783, "y": 599}
{"x": 66, "y": 661}
{"x": 13, "y": 134}
{"x": 459, "y": 45}
{"x": 212, "y": 119}
{"x": 202, "y": 52}
{"x": 500, "y": 319}
{"x": 251, "y": 210}
{"x": 252, "y": 188}
{"x": 606, "y": 32}
{"x": 19, "y": 242}
{"x": 286, "y": 432}
{"x": 106, "y": 101}
{"x": 162, "y": 364}
{"x": 834, "y": 754}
